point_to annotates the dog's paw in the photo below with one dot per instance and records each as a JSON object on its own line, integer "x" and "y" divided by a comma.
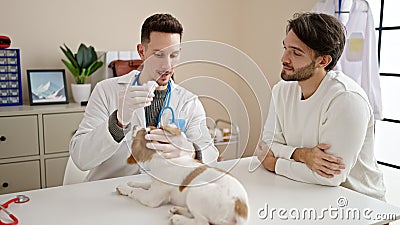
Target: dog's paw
{"x": 143, "y": 185}
{"x": 175, "y": 220}
{"x": 174, "y": 210}
{"x": 124, "y": 189}
{"x": 177, "y": 210}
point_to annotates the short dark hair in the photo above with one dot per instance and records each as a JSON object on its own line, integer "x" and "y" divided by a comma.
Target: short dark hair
{"x": 321, "y": 32}
{"x": 165, "y": 23}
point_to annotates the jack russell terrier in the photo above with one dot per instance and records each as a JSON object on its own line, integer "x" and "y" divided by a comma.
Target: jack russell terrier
{"x": 202, "y": 195}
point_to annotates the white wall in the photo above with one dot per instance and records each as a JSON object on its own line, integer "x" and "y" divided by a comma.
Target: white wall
{"x": 262, "y": 30}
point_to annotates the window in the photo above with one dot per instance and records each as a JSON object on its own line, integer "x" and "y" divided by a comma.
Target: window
{"x": 387, "y": 24}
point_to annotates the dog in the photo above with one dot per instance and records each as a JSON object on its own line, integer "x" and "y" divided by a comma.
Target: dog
{"x": 202, "y": 195}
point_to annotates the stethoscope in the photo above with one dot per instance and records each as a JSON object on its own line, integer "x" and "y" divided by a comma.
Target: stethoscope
{"x": 18, "y": 199}
{"x": 166, "y": 104}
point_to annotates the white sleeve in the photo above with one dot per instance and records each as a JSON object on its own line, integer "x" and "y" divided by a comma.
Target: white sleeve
{"x": 198, "y": 133}
{"x": 344, "y": 128}
{"x": 273, "y": 134}
{"x": 92, "y": 144}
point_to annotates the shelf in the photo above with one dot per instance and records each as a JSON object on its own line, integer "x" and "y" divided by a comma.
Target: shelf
{"x": 231, "y": 140}
{"x": 225, "y": 143}
{"x": 231, "y": 144}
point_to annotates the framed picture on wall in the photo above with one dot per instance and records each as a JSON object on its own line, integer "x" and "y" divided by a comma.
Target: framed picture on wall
{"x": 47, "y": 87}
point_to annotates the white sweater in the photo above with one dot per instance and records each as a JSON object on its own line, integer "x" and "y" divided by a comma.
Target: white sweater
{"x": 338, "y": 114}
{"x": 363, "y": 69}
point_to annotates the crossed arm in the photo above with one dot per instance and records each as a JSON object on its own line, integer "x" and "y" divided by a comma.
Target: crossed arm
{"x": 341, "y": 138}
{"x": 316, "y": 159}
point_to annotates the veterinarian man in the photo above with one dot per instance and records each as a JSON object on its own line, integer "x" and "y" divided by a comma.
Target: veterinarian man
{"x": 320, "y": 124}
{"x": 102, "y": 142}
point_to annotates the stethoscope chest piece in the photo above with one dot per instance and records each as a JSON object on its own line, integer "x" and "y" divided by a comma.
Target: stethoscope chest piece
{"x": 22, "y": 199}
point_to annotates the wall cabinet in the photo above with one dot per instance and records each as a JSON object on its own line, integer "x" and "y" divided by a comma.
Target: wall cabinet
{"x": 34, "y": 144}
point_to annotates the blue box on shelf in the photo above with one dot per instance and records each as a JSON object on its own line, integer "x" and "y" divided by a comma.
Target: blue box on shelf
{"x": 10, "y": 77}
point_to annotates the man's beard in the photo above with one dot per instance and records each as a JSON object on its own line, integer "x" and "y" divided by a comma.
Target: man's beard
{"x": 163, "y": 82}
{"x": 301, "y": 74}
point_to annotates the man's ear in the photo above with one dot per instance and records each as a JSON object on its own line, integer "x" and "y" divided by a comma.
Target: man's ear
{"x": 324, "y": 60}
{"x": 140, "y": 50}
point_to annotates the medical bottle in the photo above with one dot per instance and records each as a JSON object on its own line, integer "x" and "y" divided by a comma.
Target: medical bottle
{"x": 226, "y": 133}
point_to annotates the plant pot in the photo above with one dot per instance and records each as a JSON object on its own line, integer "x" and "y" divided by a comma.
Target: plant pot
{"x": 80, "y": 92}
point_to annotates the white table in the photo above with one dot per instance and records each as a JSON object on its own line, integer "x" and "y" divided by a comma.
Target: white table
{"x": 97, "y": 202}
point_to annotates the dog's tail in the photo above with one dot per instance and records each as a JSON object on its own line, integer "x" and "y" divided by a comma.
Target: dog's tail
{"x": 241, "y": 211}
{"x": 239, "y": 215}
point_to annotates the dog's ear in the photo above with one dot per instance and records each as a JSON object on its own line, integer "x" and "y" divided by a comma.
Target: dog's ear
{"x": 138, "y": 142}
{"x": 172, "y": 130}
{"x": 140, "y": 153}
{"x": 131, "y": 159}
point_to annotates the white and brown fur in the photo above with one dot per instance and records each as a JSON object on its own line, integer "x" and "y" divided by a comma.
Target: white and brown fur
{"x": 202, "y": 195}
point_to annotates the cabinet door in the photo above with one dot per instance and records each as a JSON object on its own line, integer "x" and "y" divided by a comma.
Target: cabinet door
{"x": 19, "y": 176}
{"x": 55, "y": 169}
{"x": 58, "y": 130}
{"x": 18, "y": 136}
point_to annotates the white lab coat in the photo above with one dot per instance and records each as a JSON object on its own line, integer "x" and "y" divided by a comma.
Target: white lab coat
{"x": 363, "y": 68}
{"x": 93, "y": 148}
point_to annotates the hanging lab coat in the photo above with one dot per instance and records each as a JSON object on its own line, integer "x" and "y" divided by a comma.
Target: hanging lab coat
{"x": 359, "y": 59}
{"x": 93, "y": 148}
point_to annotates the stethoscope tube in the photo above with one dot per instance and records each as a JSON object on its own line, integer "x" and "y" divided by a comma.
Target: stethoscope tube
{"x": 166, "y": 101}
{"x": 18, "y": 199}
{"x": 5, "y": 205}
{"x": 13, "y": 218}
{"x": 166, "y": 105}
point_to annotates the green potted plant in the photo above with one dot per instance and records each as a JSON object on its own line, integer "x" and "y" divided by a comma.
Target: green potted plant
{"x": 81, "y": 64}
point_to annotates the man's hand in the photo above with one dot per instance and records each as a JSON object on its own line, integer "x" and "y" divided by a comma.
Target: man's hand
{"x": 265, "y": 156}
{"x": 132, "y": 98}
{"x": 318, "y": 161}
{"x": 168, "y": 145}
